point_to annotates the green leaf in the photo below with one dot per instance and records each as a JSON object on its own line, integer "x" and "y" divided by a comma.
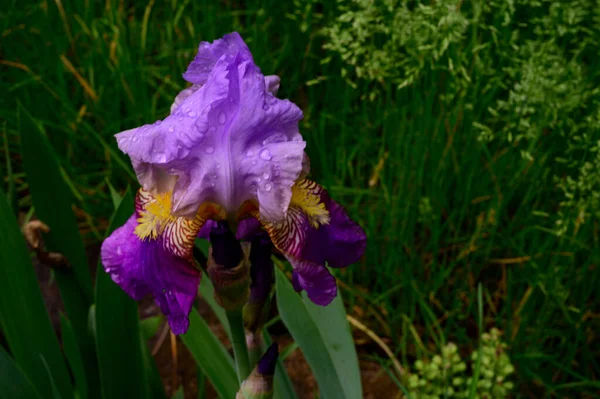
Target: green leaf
{"x": 114, "y": 195}
{"x": 337, "y": 335}
{"x": 53, "y": 202}
{"x": 211, "y": 356}
{"x": 156, "y": 390}
{"x": 74, "y": 358}
{"x": 23, "y": 316}
{"x": 282, "y": 385}
{"x": 324, "y": 354}
{"x": 13, "y": 383}
{"x": 118, "y": 335}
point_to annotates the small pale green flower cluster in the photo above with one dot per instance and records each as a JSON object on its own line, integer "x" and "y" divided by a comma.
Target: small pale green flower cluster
{"x": 446, "y": 376}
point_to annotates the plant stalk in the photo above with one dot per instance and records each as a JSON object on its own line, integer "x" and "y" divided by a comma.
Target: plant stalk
{"x": 240, "y": 349}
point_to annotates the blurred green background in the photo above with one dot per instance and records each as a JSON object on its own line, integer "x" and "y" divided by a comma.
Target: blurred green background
{"x": 464, "y": 136}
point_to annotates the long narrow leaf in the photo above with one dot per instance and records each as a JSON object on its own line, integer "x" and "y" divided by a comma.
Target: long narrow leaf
{"x": 53, "y": 202}
{"x": 337, "y": 335}
{"x": 210, "y": 356}
{"x": 118, "y": 336}
{"x": 13, "y": 383}
{"x": 307, "y": 334}
{"x": 23, "y": 317}
{"x": 74, "y": 358}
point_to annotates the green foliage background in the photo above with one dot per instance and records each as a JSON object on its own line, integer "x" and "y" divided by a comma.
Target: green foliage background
{"x": 463, "y": 135}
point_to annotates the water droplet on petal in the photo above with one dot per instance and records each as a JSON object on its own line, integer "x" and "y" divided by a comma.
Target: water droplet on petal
{"x": 265, "y": 155}
{"x": 171, "y": 129}
{"x": 191, "y": 114}
{"x": 222, "y": 118}
{"x": 209, "y": 150}
{"x": 249, "y": 153}
{"x": 266, "y": 176}
{"x": 254, "y": 162}
{"x": 268, "y": 186}
{"x": 266, "y": 107}
{"x": 212, "y": 184}
{"x": 180, "y": 118}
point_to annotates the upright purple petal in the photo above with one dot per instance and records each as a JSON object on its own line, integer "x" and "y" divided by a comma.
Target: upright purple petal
{"x": 228, "y": 47}
{"x": 227, "y": 142}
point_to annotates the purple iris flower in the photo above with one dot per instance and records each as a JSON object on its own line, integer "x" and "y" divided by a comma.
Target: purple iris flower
{"x": 230, "y": 150}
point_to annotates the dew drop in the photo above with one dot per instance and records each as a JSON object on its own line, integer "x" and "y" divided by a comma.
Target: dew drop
{"x": 171, "y": 129}
{"x": 265, "y": 155}
{"x": 212, "y": 184}
{"x": 209, "y": 150}
{"x": 249, "y": 153}
{"x": 191, "y": 114}
{"x": 268, "y": 186}
{"x": 180, "y": 118}
{"x": 266, "y": 176}
{"x": 222, "y": 118}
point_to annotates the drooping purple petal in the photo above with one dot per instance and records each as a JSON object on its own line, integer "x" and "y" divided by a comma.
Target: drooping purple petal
{"x": 119, "y": 252}
{"x": 339, "y": 243}
{"x": 316, "y": 280}
{"x": 161, "y": 266}
{"x": 172, "y": 281}
{"x": 229, "y": 141}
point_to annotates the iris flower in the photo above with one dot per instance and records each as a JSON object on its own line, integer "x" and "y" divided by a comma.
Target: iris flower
{"x": 230, "y": 150}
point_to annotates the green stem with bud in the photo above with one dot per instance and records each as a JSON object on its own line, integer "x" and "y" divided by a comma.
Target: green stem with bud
{"x": 240, "y": 349}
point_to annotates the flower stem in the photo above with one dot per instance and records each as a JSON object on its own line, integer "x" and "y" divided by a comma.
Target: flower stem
{"x": 240, "y": 349}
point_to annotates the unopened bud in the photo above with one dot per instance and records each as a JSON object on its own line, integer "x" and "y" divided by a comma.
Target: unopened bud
{"x": 228, "y": 268}
{"x": 259, "y": 385}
